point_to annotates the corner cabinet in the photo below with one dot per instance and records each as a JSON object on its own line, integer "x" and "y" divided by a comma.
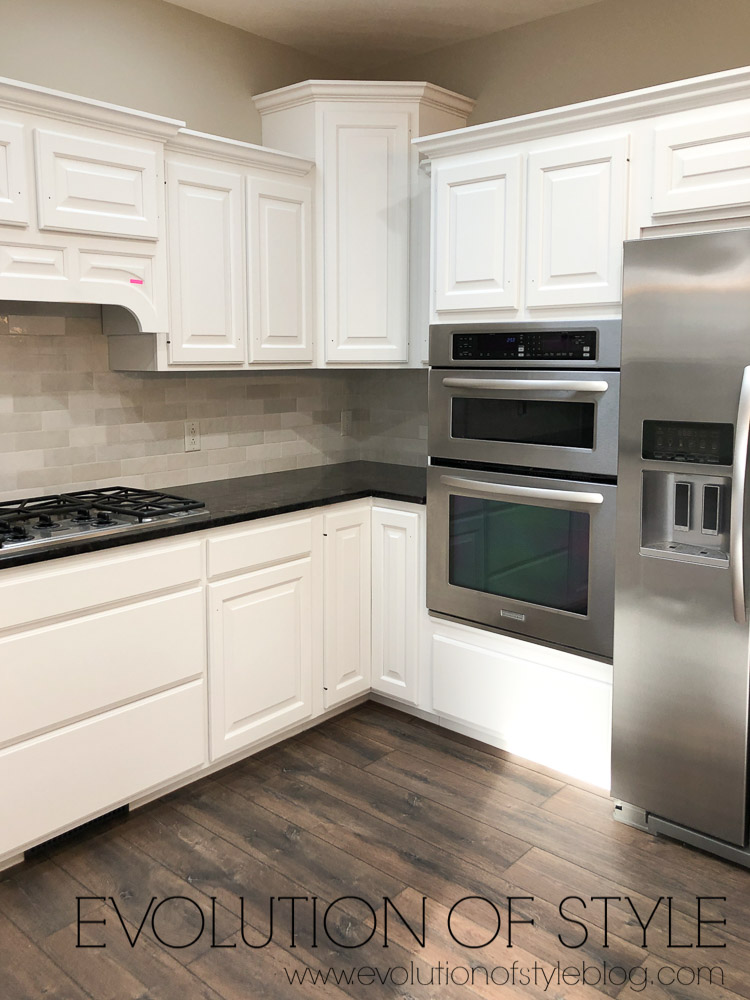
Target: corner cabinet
{"x": 371, "y": 284}
{"x": 524, "y": 229}
{"x": 239, "y": 219}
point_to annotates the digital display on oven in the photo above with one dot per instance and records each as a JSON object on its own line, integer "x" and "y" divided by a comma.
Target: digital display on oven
{"x": 525, "y": 345}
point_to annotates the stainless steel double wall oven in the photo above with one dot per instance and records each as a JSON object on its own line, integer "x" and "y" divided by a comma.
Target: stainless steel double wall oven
{"x": 521, "y": 483}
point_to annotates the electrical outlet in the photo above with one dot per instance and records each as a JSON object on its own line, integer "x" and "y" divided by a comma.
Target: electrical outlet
{"x": 347, "y": 417}
{"x": 192, "y": 435}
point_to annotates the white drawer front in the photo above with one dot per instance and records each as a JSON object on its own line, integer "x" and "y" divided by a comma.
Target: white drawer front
{"x": 70, "y": 586}
{"x": 54, "y": 675}
{"x": 57, "y": 781}
{"x": 251, "y": 548}
{"x": 92, "y": 186}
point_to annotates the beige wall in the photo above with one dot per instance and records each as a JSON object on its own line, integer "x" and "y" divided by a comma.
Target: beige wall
{"x": 606, "y": 48}
{"x": 149, "y": 55}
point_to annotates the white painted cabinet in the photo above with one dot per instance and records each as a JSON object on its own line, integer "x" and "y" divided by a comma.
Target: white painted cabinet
{"x": 575, "y": 225}
{"x": 530, "y": 227}
{"x": 264, "y": 630}
{"x": 280, "y": 269}
{"x": 346, "y": 600}
{"x": 398, "y": 601}
{"x": 477, "y": 217}
{"x": 14, "y": 177}
{"x": 206, "y": 264}
{"x": 701, "y": 162}
{"x": 369, "y": 241}
{"x": 88, "y": 184}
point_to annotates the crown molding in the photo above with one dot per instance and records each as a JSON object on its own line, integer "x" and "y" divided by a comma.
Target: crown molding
{"x": 236, "y": 151}
{"x": 682, "y": 95}
{"x": 363, "y": 90}
{"x": 84, "y": 110}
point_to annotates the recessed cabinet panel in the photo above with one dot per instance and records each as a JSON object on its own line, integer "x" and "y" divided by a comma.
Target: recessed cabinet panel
{"x": 261, "y": 661}
{"x": 477, "y": 207}
{"x": 396, "y": 603}
{"x": 280, "y": 270}
{"x": 367, "y": 236}
{"x": 346, "y": 600}
{"x": 702, "y": 164}
{"x": 204, "y": 209}
{"x": 14, "y": 195}
{"x": 577, "y": 198}
{"x": 90, "y": 186}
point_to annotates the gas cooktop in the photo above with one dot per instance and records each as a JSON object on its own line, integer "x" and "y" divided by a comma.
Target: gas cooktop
{"x": 41, "y": 520}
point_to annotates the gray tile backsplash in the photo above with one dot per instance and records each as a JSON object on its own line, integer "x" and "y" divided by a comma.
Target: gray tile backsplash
{"x": 67, "y": 420}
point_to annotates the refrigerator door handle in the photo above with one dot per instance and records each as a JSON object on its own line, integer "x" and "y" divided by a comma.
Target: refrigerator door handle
{"x": 737, "y": 507}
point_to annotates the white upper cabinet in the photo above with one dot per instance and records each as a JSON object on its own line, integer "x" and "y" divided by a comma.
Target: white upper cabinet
{"x": 14, "y": 179}
{"x": 279, "y": 261}
{"x": 370, "y": 216}
{"x": 91, "y": 185}
{"x": 477, "y": 214}
{"x": 206, "y": 265}
{"x": 576, "y": 214}
{"x": 701, "y": 161}
{"x": 366, "y": 223}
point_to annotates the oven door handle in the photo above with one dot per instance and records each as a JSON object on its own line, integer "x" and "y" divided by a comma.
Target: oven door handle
{"x": 737, "y": 505}
{"x": 521, "y": 492}
{"x": 529, "y": 384}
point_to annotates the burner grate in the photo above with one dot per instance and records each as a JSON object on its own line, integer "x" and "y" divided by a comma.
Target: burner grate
{"x": 138, "y": 503}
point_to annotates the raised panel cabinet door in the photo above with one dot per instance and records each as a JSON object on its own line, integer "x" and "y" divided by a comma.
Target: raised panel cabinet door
{"x": 279, "y": 237}
{"x": 396, "y": 603}
{"x": 261, "y": 654}
{"x": 14, "y": 185}
{"x": 87, "y": 185}
{"x": 206, "y": 265}
{"x": 702, "y": 164}
{"x": 577, "y": 204}
{"x": 476, "y": 242}
{"x": 346, "y": 599}
{"x": 366, "y": 234}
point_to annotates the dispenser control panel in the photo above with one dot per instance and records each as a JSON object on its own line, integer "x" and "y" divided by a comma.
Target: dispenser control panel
{"x": 683, "y": 441}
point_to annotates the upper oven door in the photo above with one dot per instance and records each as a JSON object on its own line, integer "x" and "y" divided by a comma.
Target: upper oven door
{"x": 562, "y": 420}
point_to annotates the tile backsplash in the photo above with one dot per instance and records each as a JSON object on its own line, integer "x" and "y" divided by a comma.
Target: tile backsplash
{"x": 67, "y": 420}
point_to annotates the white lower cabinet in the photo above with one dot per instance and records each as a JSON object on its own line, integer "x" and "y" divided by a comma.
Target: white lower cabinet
{"x": 398, "y": 604}
{"x": 346, "y": 598}
{"x": 263, "y": 637}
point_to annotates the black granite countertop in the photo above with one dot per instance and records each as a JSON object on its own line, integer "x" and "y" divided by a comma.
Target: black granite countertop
{"x": 230, "y": 501}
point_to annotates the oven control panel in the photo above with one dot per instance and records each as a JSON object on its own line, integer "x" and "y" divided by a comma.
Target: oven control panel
{"x": 525, "y": 345}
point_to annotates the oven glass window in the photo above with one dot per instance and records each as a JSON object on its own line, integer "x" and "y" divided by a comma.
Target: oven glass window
{"x": 535, "y": 554}
{"x": 524, "y": 421}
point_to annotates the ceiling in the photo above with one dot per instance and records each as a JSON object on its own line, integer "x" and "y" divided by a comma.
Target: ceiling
{"x": 372, "y": 32}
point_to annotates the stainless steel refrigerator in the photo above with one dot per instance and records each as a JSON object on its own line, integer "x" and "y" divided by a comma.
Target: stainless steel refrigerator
{"x": 681, "y": 652}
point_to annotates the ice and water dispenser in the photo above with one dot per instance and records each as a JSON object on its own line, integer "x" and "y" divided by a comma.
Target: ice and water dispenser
{"x": 685, "y": 516}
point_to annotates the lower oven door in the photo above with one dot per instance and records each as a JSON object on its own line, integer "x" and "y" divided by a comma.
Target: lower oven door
{"x": 533, "y": 556}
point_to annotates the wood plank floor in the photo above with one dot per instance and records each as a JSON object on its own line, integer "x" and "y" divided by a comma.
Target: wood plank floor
{"x": 388, "y": 818}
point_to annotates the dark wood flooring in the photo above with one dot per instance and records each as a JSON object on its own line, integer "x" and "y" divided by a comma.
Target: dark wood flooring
{"x": 373, "y": 804}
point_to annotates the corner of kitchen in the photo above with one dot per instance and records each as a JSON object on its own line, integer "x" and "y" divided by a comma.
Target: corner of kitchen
{"x": 373, "y": 505}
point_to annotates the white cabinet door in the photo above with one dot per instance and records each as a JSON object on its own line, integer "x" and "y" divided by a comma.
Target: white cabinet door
{"x": 366, "y": 224}
{"x": 89, "y": 185}
{"x": 280, "y": 270}
{"x": 477, "y": 212}
{"x": 261, "y": 659}
{"x": 346, "y": 599}
{"x": 14, "y": 180}
{"x": 206, "y": 265}
{"x": 702, "y": 161}
{"x": 397, "y": 604}
{"x": 577, "y": 201}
